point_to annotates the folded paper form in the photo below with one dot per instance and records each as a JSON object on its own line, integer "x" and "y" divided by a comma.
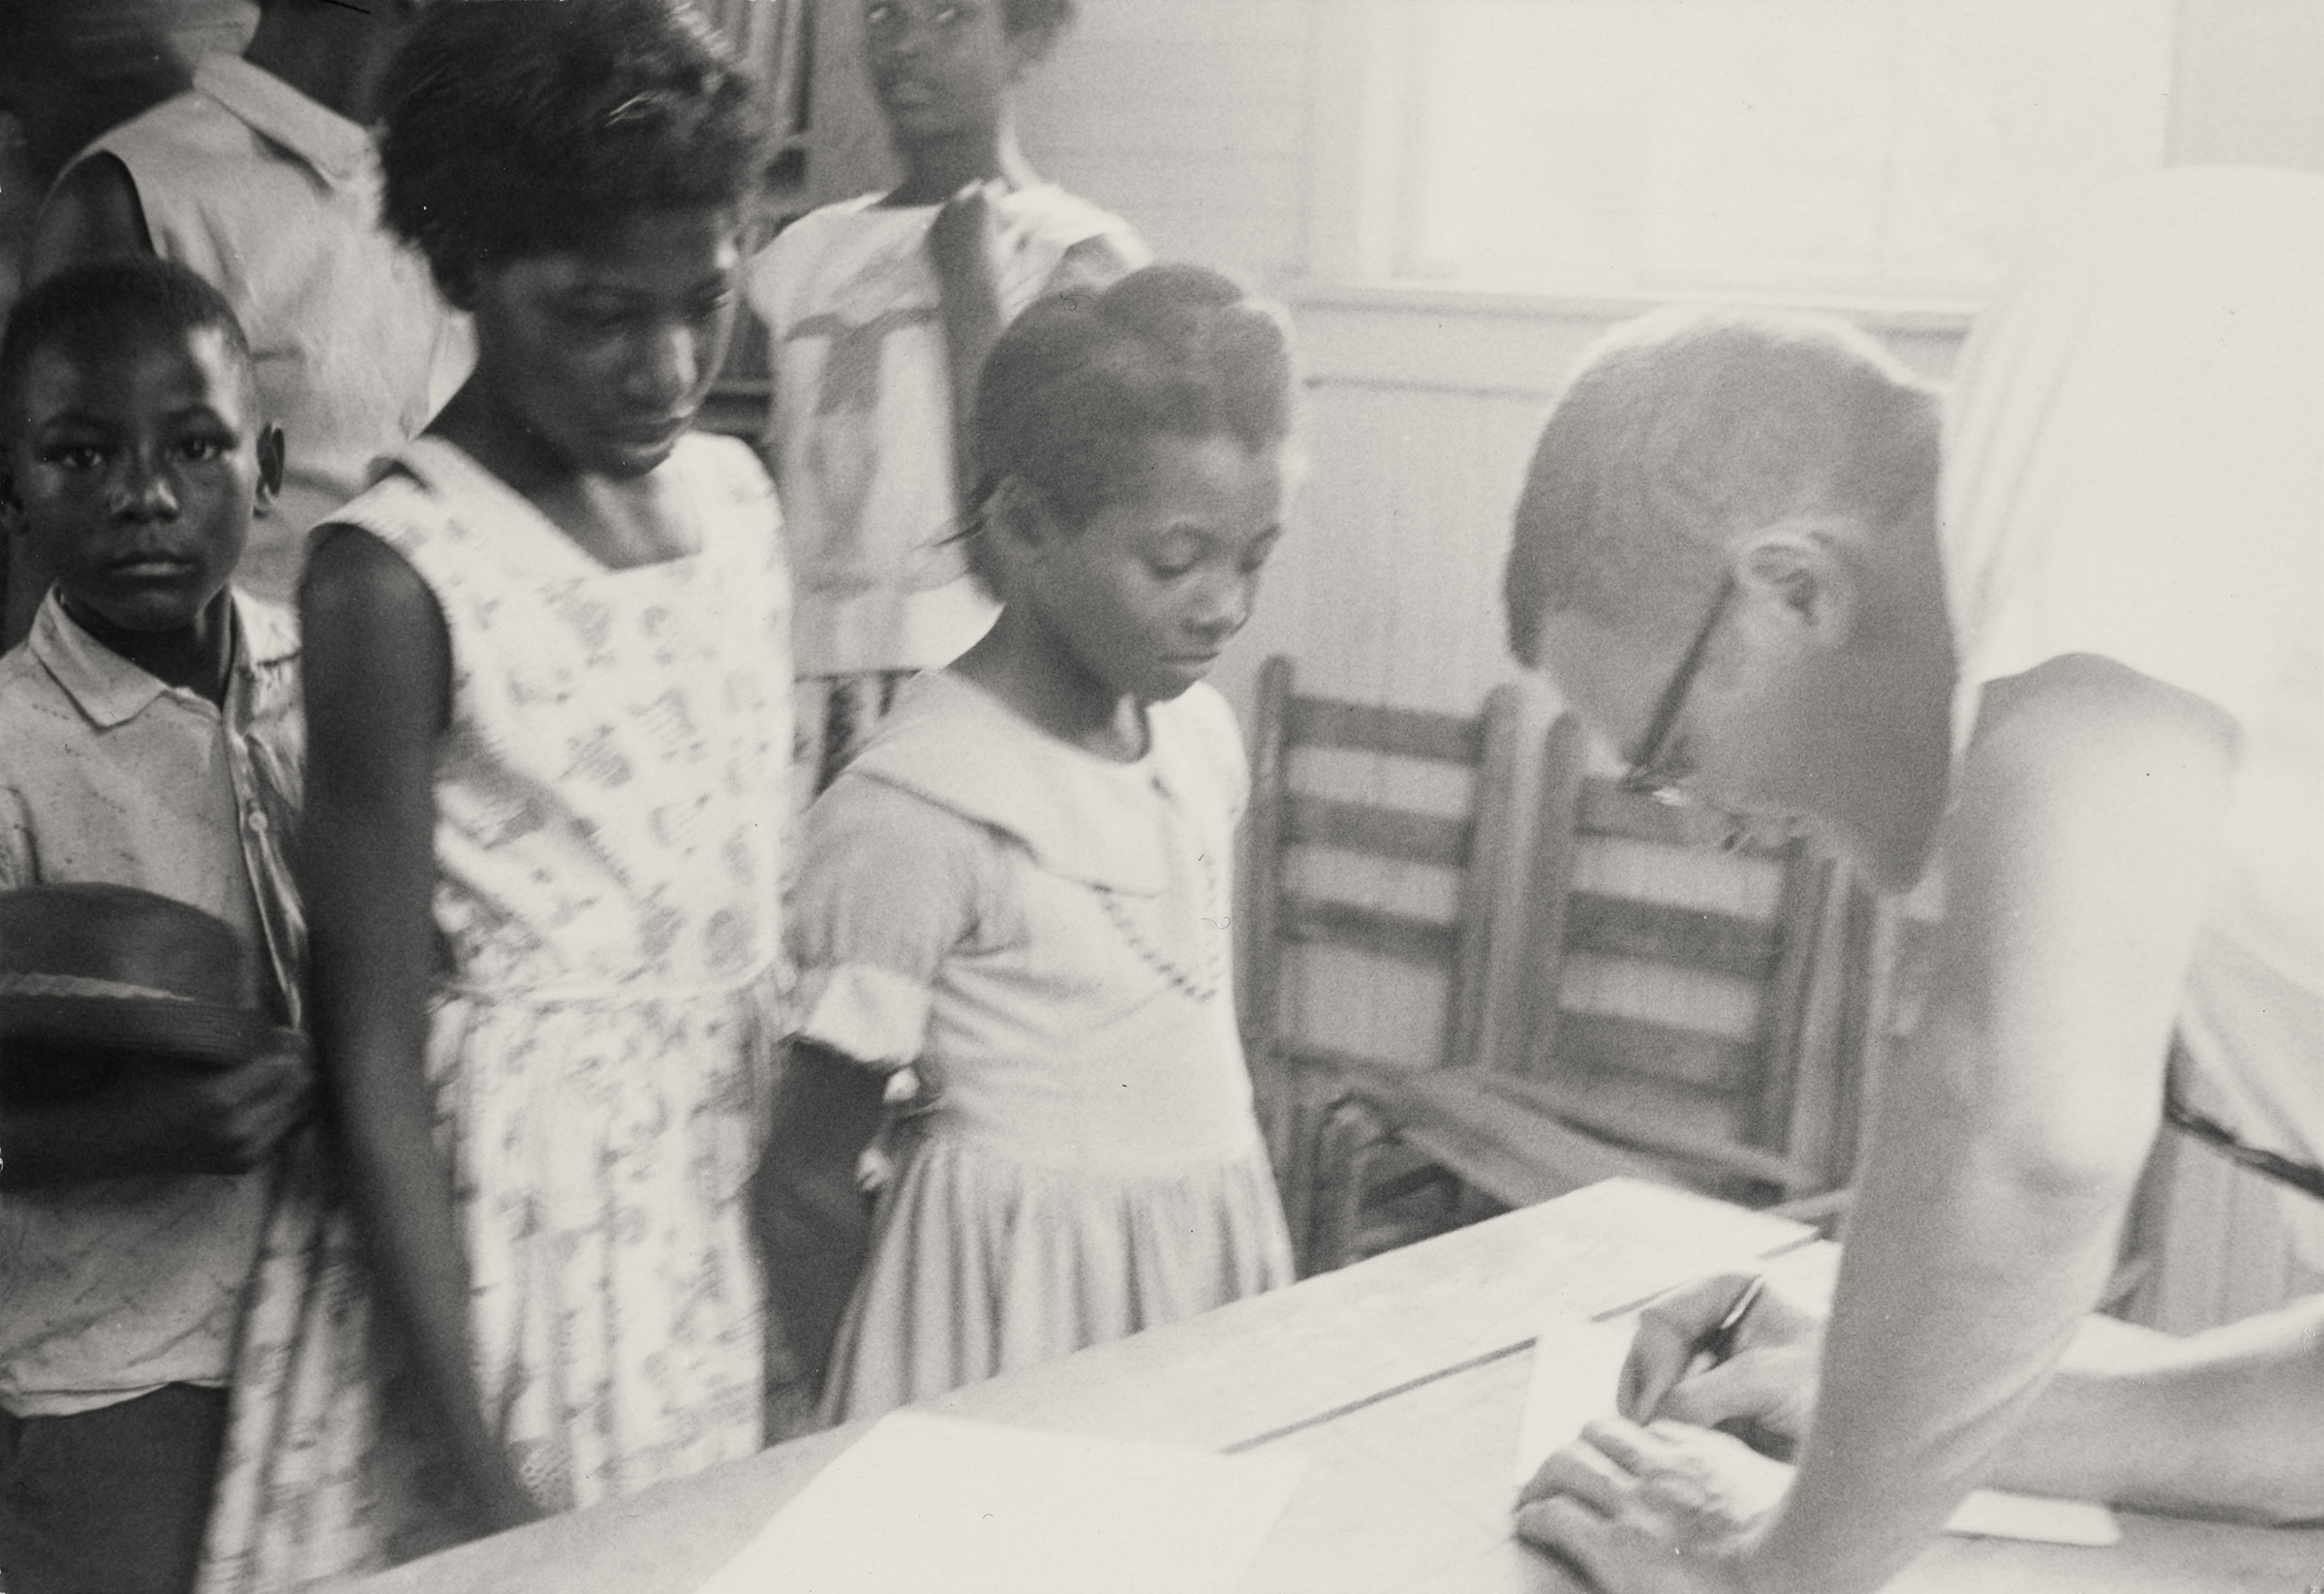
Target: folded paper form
{"x": 924, "y": 1502}
{"x": 1577, "y": 1371}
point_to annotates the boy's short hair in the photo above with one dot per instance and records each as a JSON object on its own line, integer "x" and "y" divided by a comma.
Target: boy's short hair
{"x": 1685, "y": 426}
{"x": 138, "y": 294}
{"x": 517, "y": 129}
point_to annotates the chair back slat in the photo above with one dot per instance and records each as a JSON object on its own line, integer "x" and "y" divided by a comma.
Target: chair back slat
{"x": 1609, "y": 1048}
{"x": 1625, "y": 927}
{"x": 1396, "y": 732}
{"x": 1604, "y": 809}
{"x": 1382, "y": 932}
{"x": 1397, "y": 833}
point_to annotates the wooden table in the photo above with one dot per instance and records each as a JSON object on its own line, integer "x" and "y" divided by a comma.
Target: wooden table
{"x": 1401, "y": 1380}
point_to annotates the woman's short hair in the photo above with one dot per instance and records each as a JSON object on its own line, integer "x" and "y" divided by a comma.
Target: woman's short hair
{"x": 1684, "y": 427}
{"x": 1080, "y": 384}
{"x": 516, "y": 128}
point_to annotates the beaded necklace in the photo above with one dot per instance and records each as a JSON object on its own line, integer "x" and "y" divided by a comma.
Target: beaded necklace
{"x": 1203, "y": 985}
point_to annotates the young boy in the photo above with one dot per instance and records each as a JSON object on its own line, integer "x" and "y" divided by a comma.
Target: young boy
{"x": 149, "y": 737}
{"x": 262, "y": 177}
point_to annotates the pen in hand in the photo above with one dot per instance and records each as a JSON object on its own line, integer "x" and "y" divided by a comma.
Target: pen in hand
{"x": 1719, "y": 1345}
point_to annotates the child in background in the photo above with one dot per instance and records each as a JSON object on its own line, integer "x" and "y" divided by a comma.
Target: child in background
{"x": 880, "y": 309}
{"x": 1019, "y": 888}
{"x": 149, "y": 737}
{"x": 549, "y": 735}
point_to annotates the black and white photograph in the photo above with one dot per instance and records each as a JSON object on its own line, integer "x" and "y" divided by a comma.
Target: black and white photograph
{"x": 1161, "y": 796}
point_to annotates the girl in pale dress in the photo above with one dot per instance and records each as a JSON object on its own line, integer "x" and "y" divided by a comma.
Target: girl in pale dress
{"x": 547, "y": 676}
{"x": 1014, "y": 899}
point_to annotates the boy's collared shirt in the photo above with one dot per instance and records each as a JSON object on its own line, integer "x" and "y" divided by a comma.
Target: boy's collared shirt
{"x": 116, "y": 1287}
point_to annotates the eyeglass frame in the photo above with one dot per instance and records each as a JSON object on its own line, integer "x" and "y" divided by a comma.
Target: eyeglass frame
{"x": 1645, "y": 777}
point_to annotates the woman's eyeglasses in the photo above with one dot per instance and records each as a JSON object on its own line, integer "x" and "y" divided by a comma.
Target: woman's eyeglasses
{"x": 1650, "y": 773}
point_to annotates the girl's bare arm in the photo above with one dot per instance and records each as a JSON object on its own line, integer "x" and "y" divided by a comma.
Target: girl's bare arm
{"x": 377, "y": 682}
{"x": 815, "y": 1224}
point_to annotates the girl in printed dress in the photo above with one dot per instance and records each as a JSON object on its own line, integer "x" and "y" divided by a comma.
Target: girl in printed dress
{"x": 1018, "y": 892}
{"x": 547, "y": 695}
{"x": 879, "y": 309}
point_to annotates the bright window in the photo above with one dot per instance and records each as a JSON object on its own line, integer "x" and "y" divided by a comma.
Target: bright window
{"x": 1845, "y": 149}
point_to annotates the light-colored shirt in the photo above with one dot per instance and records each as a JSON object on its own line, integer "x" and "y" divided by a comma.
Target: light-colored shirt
{"x": 861, "y": 432}
{"x": 2134, "y": 469}
{"x": 111, "y": 1288}
{"x": 274, "y": 200}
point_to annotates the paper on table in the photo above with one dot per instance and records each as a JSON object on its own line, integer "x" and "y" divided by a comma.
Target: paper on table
{"x": 1577, "y": 1371}
{"x": 926, "y": 1502}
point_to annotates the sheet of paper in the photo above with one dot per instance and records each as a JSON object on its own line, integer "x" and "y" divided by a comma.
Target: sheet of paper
{"x": 1577, "y": 1371}
{"x": 924, "y": 1502}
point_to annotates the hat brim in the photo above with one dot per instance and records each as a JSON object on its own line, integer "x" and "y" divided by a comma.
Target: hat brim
{"x": 195, "y": 1031}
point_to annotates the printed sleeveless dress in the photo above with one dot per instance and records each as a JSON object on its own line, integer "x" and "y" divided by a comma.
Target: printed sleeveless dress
{"x": 611, "y": 813}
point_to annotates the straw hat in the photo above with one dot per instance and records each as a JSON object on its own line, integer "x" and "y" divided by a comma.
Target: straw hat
{"x": 91, "y": 971}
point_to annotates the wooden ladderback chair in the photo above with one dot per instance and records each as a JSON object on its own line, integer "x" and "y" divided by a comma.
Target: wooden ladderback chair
{"x": 1368, "y": 887}
{"x": 1687, "y": 1006}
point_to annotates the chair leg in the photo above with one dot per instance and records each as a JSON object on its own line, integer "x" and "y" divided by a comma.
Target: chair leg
{"x": 1345, "y": 1139}
{"x": 1295, "y": 1174}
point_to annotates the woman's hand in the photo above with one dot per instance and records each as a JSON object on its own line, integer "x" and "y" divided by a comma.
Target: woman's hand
{"x": 1669, "y": 1508}
{"x": 1766, "y": 1392}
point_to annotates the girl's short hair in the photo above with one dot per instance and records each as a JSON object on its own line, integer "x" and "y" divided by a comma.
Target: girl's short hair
{"x": 1077, "y": 385}
{"x": 516, "y": 128}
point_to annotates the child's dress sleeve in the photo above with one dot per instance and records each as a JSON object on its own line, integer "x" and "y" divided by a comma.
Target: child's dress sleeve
{"x": 890, "y": 885}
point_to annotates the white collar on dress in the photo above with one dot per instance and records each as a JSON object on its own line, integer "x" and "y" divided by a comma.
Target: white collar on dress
{"x": 957, "y": 746}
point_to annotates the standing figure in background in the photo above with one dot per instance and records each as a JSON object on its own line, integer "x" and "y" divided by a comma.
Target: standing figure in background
{"x": 880, "y": 309}
{"x": 263, "y": 178}
{"x": 548, "y": 748}
{"x": 1019, "y": 891}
